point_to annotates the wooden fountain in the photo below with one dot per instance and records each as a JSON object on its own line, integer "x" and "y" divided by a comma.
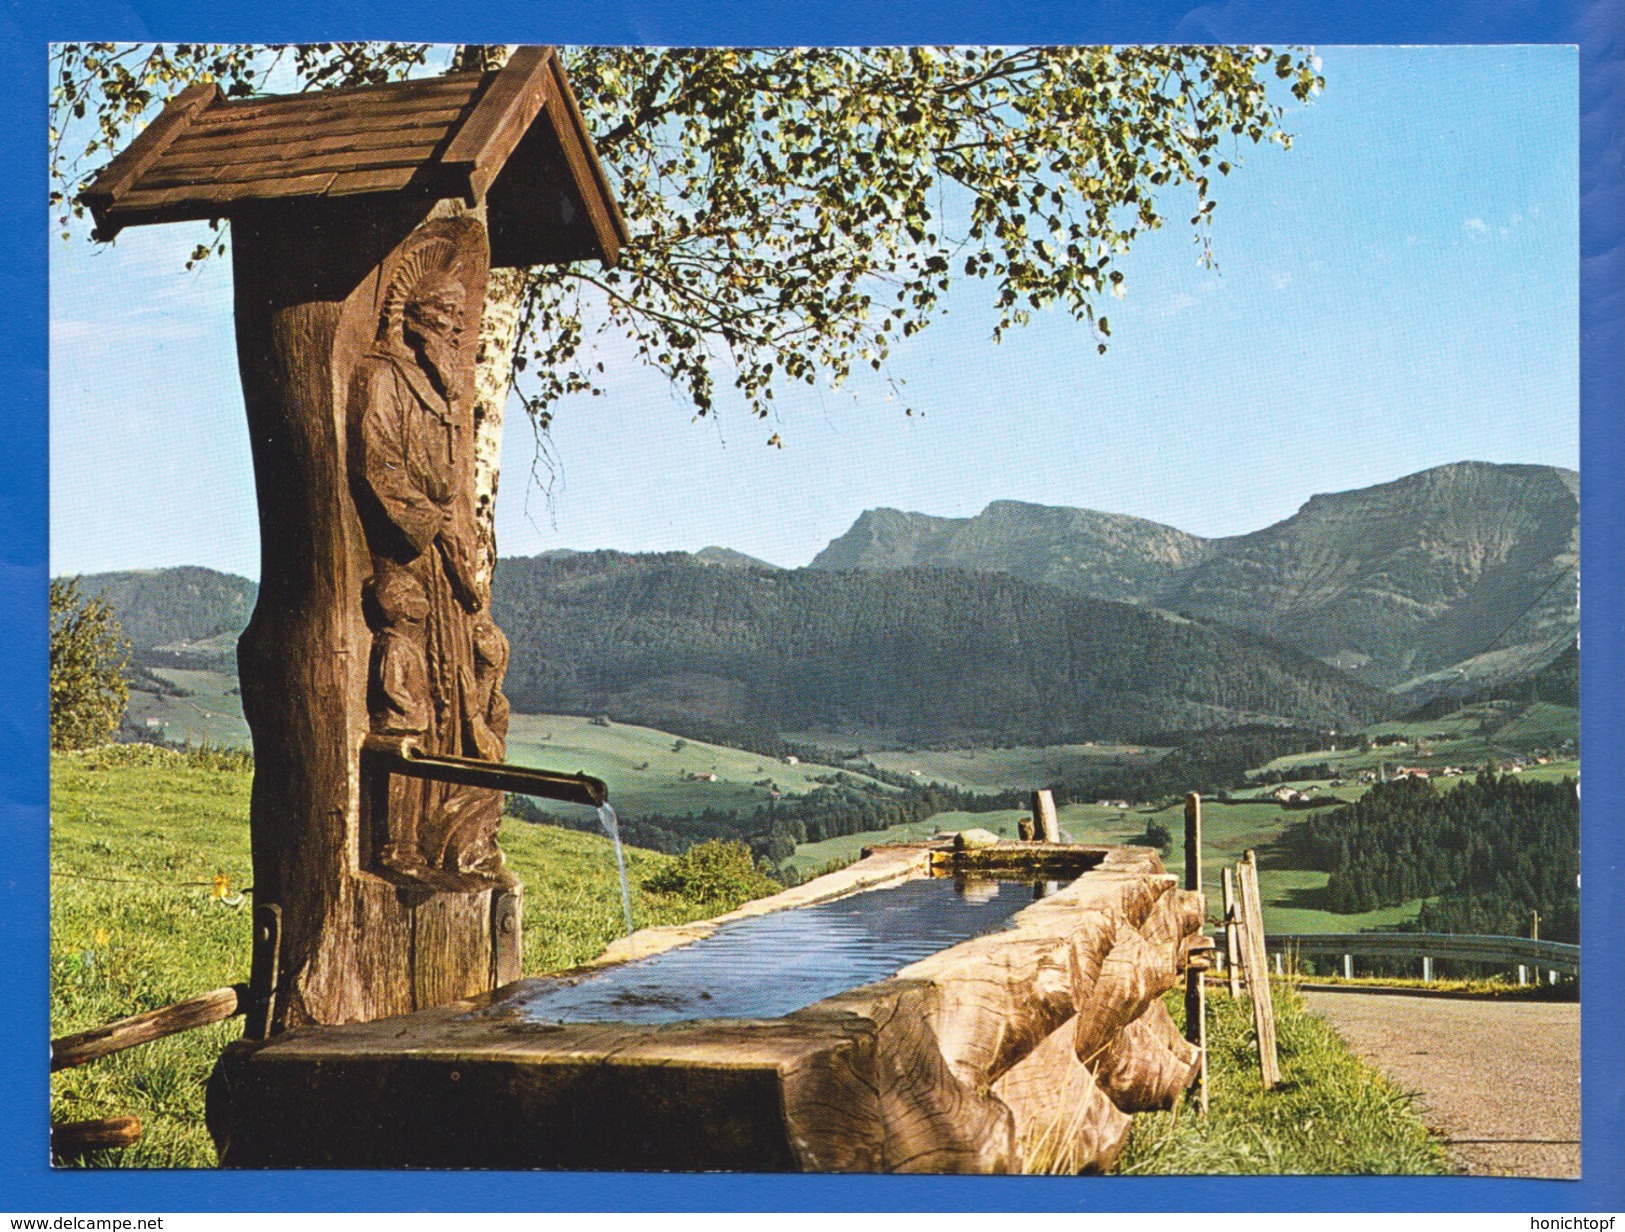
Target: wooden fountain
{"x": 364, "y": 224}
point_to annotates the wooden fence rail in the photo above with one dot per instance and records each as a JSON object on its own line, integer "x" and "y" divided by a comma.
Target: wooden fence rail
{"x": 1506, "y": 952}
{"x": 100, "y": 1042}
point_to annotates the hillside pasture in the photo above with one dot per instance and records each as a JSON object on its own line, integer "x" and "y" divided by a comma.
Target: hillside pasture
{"x": 211, "y": 713}
{"x": 1469, "y": 737}
{"x": 998, "y": 769}
{"x": 812, "y": 858}
{"x": 1291, "y": 894}
{"x": 1541, "y": 725}
{"x": 651, "y": 771}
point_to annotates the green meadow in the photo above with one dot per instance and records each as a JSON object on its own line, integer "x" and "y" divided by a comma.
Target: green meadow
{"x": 650, "y": 771}
{"x": 211, "y": 712}
{"x": 1483, "y": 732}
{"x": 1291, "y": 895}
{"x": 995, "y": 769}
{"x": 1080, "y": 823}
{"x": 655, "y": 772}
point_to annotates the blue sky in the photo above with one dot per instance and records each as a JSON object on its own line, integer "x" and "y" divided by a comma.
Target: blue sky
{"x": 1397, "y": 291}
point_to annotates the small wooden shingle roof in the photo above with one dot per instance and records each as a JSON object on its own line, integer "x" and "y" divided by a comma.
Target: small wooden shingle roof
{"x": 515, "y": 137}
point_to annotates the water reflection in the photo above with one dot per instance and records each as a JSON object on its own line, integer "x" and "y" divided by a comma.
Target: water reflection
{"x": 773, "y": 964}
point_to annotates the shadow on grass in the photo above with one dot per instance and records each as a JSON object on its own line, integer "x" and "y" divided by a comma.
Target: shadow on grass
{"x": 1303, "y": 898}
{"x": 1284, "y": 853}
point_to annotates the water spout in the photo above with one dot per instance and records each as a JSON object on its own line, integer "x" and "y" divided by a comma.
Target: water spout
{"x": 612, "y": 827}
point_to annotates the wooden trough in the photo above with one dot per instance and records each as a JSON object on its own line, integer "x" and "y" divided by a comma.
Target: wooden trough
{"x": 1026, "y": 1047}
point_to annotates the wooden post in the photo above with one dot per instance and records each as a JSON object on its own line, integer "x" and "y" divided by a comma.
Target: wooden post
{"x": 1348, "y": 966}
{"x": 1232, "y": 932}
{"x": 1258, "y": 977}
{"x": 360, "y": 262}
{"x": 1427, "y": 969}
{"x": 359, "y": 939}
{"x": 1523, "y": 975}
{"x": 1195, "y": 991}
{"x": 1044, "y": 819}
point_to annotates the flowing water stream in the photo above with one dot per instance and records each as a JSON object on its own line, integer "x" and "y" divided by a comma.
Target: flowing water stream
{"x": 612, "y": 827}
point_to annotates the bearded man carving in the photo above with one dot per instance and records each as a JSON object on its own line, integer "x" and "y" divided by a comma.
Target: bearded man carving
{"x": 410, "y": 430}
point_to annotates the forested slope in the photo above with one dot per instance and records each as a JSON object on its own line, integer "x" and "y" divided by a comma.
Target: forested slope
{"x": 924, "y": 654}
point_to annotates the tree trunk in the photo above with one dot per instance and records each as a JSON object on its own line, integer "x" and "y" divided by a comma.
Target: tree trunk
{"x": 493, "y": 373}
{"x": 356, "y": 937}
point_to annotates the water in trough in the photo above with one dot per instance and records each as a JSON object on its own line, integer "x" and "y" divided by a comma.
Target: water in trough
{"x": 770, "y": 965}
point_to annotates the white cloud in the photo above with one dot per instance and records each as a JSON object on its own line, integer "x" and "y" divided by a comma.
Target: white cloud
{"x": 1184, "y": 301}
{"x": 1476, "y": 224}
{"x": 80, "y": 339}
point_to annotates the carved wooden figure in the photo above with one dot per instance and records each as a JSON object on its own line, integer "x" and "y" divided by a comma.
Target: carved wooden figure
{"x": 364, "y": 224}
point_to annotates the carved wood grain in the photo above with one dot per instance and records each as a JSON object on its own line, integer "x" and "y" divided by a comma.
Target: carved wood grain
{"x": 355, "y": 946}
{"x": 1024, "y": 1048}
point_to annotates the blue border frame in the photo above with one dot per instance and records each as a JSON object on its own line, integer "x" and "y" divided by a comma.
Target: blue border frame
{"x": 1597, "y": 26}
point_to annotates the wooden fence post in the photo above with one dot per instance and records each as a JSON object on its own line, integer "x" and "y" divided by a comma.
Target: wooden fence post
{"x": 1232, "y": 932}
{"x": 1195, "y": 991}
{"x": 1258, "y": 975}
{"x": 1044, "y": 819}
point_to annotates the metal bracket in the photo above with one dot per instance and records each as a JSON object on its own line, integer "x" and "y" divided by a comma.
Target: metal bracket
{"x": 265, "y": 971}
{"x": 506, "y": 937}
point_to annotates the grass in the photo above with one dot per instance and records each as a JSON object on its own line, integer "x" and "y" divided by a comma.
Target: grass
{"x": 212, "y": 712}
{"x": 139, "y": 836}
{"x": 1500, "y": 987}
{"x": 649, "y": 773}
{"x": 811, "y": 858}
{"x": 985, "y": 769}
{"x": 1292, "y": 896}
{"x": 1542, "y": 724}
{"x": 1469, "y": 737}
{"x": 643, "y": 766}
{"x": 1331, "y": 1114}
{"x": 142, "y": 837}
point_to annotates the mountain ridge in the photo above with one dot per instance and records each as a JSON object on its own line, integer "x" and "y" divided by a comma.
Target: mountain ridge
{"x": 923, "y": 654}
{"x": 1451, "y": 580}
{"x": 1398, "y": 581}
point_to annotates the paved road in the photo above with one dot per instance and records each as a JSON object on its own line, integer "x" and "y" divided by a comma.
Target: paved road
{"x": 1500, "y": 1080}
